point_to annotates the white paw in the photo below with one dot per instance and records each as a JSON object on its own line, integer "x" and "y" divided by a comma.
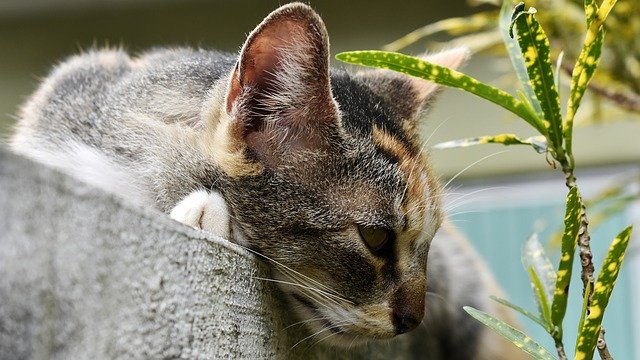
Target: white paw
{"x": 203, "y": 210}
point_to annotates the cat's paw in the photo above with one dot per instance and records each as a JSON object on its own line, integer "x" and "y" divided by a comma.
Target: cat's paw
{"x": 203, "y": 210}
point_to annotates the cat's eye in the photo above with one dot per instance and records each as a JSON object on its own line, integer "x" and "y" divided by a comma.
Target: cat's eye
{"x": 375, "y": 237}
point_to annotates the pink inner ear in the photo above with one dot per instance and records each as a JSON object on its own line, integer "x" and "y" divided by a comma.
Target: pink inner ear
{"x": 262, "y": 57}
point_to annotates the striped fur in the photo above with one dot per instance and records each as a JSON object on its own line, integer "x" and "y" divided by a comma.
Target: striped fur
{"x": 281, "y": 154}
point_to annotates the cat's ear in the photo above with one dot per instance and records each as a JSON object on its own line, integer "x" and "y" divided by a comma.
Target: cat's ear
{"x": 279, "y": 92}
{"x": 407, "y": 93}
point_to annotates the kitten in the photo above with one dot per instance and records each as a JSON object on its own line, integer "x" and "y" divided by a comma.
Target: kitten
{"x": 317, "y": 169}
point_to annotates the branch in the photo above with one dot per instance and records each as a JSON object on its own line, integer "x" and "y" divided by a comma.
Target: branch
{"x": 626, "y": 100}
{"x": 560, "y": 349}
{"x": 602, "y": 347}
{"x": 586, "y": 259}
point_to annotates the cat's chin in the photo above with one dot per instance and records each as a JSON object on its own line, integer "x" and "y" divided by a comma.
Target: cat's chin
{"x": 341, "y": 328}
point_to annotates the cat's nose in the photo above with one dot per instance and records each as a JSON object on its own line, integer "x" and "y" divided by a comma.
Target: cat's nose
{"x": 405, "y": 321}
{"x": 407, "y": 306}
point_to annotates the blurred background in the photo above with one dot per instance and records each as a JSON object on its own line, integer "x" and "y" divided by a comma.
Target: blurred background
{"x": 499, "y": 195}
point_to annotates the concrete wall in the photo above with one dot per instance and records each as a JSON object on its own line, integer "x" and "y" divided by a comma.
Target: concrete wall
{"x": 84, "y": 275}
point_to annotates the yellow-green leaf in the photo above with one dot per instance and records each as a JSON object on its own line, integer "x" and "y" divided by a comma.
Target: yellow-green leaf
{"x": 541, "y": 298}
{"x": 439, "y": 74}
{"x": 588, "y": 334}
{"x": 534, "y": 45}
{"x": 515, "y": 55}
{"x": 538, "y": 143}
{"x": 587, "y": 63}
{"x": 565, "y": 267}
{"x": 517, "y": 337}
{"x": 534, "y": 257}
{"x": 521, "y": 310}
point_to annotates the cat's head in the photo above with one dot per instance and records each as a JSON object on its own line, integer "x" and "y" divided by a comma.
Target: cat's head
{"x": 329, "y": 178}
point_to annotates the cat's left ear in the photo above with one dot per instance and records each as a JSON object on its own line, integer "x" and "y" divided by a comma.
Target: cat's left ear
{"x": 279, "y": 92}
{"x": 407, "y": 93}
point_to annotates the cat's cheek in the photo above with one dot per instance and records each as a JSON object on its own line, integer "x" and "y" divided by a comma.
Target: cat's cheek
{"x": 203, "y": 210}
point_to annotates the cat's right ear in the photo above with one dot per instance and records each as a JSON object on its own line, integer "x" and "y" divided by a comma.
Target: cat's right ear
{"x": 279, "y": 93}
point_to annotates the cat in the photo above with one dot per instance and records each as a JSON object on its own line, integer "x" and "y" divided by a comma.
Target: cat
{"x": 318, "y": 169}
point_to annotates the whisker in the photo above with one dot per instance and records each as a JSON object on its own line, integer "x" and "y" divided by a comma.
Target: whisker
{"x": 465, "y": 195}
{"x": 326, "y": 337}
{"x": 436, "y": 129}
{"x": 464, "y": 212}
{"x": 352, "y": 340}
{"x": 319, "y": 332}
{"x": 298, "y": 285}
{"x": 437, "y": 296}
{"x": 294, "y": 271}
{"x": 305, "y": 322}
{"x": 471, "y": 165}
{"x": 459, "y": 220}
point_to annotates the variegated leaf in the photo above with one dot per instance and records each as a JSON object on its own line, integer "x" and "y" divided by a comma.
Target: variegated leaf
{"x": 538, "y": 143}
{"x": 588, "y": 334}
{"x": 515, "y": 336}
{"x": 587, "y": 62}
{"x": 535, "y": 48}
{"x": 569, "y": 243}
{"x": 417, "y": 67}
{"x": 515, "y": 55}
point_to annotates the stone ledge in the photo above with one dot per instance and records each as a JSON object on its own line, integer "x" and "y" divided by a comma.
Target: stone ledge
{"x": 85, "y": 275}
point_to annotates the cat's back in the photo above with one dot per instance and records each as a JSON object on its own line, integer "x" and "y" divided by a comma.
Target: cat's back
{"x": 89, "y": 93}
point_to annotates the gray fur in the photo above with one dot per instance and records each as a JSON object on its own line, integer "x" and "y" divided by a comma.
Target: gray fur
{"x": 312, "y": 169}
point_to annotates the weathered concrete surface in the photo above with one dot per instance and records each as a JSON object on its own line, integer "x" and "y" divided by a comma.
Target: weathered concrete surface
{"x": 85, "y": 275}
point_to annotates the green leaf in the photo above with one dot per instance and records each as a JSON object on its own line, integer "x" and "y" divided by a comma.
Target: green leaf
{"x": 535, "y": 48}
{"x": 417, "y": 67}
{"x": 522, "y": 311}
{"x": 590, "y": 11}
{"x": 541, "y": 298}
{"x": 583, "y": 313}
{"x": 587, "y": 62}
{"x": 534, "y": 256}
{"x": 588, "y": 334}
{"x": 581, "y": 76}
{"x": 538, "y": 143}
{"x": 515, "y": 55}
{"x": 517, "y": 337}
{"x": 569, "y": 243}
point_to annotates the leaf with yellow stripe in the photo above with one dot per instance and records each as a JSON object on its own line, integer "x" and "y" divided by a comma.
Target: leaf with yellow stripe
{"x": 535, "y": 48}
{"x": 515, "y": 336}
{"x": 588, "y": 334}
{"x": 565, "y": 267}
{"x": 439, "y": 74}
{"x": 538, "y": 143}
{"x": 515, "y": 55}
{"x": 587, "y": 62}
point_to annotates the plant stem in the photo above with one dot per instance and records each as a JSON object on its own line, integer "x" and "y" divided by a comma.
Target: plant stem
{"x": 586, "y": 256}
{"x": 560, "y": 349}
{"x": 602, "y": 347}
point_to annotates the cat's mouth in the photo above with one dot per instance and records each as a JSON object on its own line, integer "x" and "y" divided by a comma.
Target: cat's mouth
{"x": 338, "y": 326}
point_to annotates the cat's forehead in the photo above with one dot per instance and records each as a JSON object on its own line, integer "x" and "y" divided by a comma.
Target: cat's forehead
{"x": 392, "y": 159}
{"x": 361, "y": 108}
